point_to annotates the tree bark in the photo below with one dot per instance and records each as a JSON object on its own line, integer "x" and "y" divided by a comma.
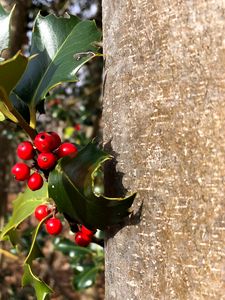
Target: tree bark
{"x": 164, "y": 112}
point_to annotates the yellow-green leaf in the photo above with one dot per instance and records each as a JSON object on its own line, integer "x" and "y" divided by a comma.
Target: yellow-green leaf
{"x": 23, "y": 207}
{"x": 11, "y": 71}
{"x": 2, "y": 116}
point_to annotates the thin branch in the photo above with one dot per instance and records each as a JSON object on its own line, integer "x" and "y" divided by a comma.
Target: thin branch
{"x": 8, "y": 254}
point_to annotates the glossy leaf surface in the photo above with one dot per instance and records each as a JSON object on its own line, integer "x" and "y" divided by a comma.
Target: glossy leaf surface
{"x": 71, "y": 186}
{"x": 62, "y": 46}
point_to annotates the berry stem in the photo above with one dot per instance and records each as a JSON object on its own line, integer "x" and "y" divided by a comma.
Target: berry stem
{"x": 32, "y": 118}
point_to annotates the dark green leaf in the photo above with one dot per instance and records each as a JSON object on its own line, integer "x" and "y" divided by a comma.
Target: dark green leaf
{"x": 42, "y": 290}
{"x": 5, "y": 18}
{"x": 23, "y": 207}
{"x": 63, "y": 45}
{"x": 68, "y": 247}
{"x": 85, "y": 279}
{"x": 71, "y": 185}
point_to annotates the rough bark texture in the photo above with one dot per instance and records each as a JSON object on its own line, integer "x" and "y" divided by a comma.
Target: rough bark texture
{"x": 164, "y": 109}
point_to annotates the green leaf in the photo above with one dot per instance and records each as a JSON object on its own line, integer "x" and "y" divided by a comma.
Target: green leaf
{"x": 86, "y": 278}
{"x": 35, "y": 251}
{"x": 42, "y": 290}
{"x": 23, "y": 207}
{"x": 85, "y": 262}
{"x": 63, "y": 45}
{"x": 5, "y": 19}
{"x": 2, "y": 117}
{"x": 71, "y": 186}
{"x": 11, "y": 71}
{"x": 68, "y": 247}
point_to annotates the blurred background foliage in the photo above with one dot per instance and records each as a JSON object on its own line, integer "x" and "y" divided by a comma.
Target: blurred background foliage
{"x": 74, "y": 111}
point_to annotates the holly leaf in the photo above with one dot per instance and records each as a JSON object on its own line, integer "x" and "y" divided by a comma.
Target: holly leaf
{"x": 85, "y": 262}
{"x": 42, "y": 290}
{"x": 2, "y": 117}
{"x": 5, "y": 19}
{"x": 63, "y": 45}
{"x": 35, "y": 251}
{"x": 23, "y": 207}
{"x": 85, "y": 279}
{"x": 67, "y": 247}
{"x": 71, "y": 186}
{"x": 11, "y": 71}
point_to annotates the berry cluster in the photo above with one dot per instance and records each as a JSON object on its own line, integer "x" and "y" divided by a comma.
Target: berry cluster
{"x": 84, "y": 236}
{"x": 45, "y": 152}
{"x": 53, "y": 226}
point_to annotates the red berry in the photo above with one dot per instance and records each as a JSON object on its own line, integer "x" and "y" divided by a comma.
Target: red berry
{"x": 67, "y": 149}
{"x": 44, "y": 142}
{"x": 53, "y": 226}
{"x": 81, "y": 239}
{"x": 35, "y": 181}
{"x": 46, "y": 161}
{"x": 87, "y": 231}
{"x": 56, "y": 139}
{"x": 21, "y": 171}
{"x": 25, "y": 150}
{"x": 41, "y": 212}
{"x": 77, "y": 127}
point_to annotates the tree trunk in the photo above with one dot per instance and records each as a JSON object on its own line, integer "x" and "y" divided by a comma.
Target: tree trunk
{"x": 164, "y": 112}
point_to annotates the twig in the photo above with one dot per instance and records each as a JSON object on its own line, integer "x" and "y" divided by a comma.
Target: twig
{"x": 8, "y": 254}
